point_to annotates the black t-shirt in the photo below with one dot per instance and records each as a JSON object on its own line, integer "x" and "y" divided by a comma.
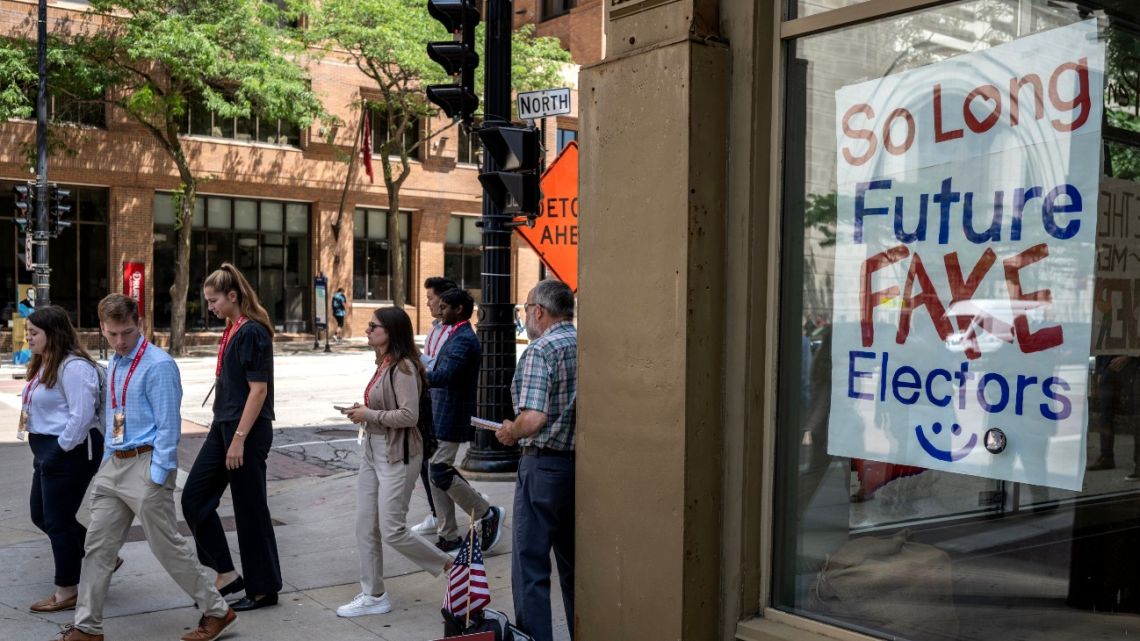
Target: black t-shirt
{"x": 249, "y": 357}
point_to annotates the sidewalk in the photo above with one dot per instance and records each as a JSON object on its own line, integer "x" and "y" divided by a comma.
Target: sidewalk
{"x": 312, "y": 499}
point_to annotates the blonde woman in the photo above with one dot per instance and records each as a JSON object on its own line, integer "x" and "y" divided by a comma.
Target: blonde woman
{"x": 237, "y": 446}
{"x": 390, "y": 462}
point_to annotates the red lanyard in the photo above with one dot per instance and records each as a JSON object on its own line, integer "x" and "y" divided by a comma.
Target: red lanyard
{"x": 441, "y": 338}
{"x": 31, "y": 387}
{"x": 230, "y": 328}
{"x": 126, "y": 381}
{"x": 375, "y": 377}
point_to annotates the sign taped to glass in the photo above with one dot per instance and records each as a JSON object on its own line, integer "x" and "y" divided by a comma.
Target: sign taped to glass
{"x": 965, "y": 260}
{"x": 134, "y": 284}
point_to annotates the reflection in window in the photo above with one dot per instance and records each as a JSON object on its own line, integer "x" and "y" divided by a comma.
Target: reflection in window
{"x": 904, "y": 552}
{"x": 202, "y": 121}
{"x": 564, "y": 138}
{"x": 469, "y": 149}
{"x": 371, "y": 271}
{"x": 384, "y": 127}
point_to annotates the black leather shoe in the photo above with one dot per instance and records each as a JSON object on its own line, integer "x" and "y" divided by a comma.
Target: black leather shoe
{"x": 237, "y": 585}
{"x": 248, "y": 602}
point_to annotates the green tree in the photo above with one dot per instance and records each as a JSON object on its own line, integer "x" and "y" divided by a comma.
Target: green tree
{"x": 237, "y": 58}
{"x": 387, "y": 40}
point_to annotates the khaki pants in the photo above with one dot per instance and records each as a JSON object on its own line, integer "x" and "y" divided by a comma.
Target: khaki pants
{"x": 383, "y": 491}
{"x": 122, "y": 490}
{"x": 458, "y": 493}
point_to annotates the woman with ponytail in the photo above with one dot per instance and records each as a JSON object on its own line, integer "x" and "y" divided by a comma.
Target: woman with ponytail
{"x": 237, "y": 446}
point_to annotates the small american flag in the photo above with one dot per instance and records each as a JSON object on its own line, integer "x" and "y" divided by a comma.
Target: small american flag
{"x": 467, "y": 591}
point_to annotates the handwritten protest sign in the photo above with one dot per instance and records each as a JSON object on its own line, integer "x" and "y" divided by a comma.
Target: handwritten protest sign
{"x": 965, "y": 261}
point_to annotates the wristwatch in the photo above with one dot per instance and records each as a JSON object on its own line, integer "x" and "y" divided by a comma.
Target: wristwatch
{"x": 240, "y": 434}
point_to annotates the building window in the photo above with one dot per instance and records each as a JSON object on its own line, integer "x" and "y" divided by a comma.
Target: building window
{"x": 371, "y": 270}
{"x": 201, "y": 121}
{"x": 70, "y": 109}
{"x": 564, "y": 138}
{"x": 470, "y": 151}
{"x": 555, "y": 8}
{"x": 463, "y": 253}
{"x": 79, "y": 256}
{"x": 380, "y": 134}
{"x": 267, "y": 240}
{"x": 900, "y": 551}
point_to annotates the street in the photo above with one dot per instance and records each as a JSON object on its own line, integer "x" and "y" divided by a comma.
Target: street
{"x": 312, "y": 481}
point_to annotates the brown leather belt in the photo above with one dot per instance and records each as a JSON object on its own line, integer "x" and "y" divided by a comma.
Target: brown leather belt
{"x": 132, "y": 453}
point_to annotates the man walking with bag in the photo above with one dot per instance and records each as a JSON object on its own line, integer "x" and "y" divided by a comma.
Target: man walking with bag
{"x": 544, "y": 392}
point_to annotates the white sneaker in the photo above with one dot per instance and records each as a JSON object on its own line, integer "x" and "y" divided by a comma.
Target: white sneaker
{"x": 364, "y": 604}
{"x": 426, "y": 526}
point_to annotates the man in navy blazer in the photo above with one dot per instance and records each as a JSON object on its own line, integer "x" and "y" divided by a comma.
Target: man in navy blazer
{"x": 453, "y": 383}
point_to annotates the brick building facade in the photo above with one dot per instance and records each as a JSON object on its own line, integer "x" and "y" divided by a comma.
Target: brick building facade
{"x": 267, "y": 201}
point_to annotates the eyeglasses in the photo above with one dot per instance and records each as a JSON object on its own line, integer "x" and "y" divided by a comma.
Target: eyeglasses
{"x": 527, "y": 306}
{"x": 373, "y": 325}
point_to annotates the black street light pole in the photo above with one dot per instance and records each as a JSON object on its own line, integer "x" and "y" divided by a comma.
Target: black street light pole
{"x": 40, "y": 230}
{"x": 496, "y": 309}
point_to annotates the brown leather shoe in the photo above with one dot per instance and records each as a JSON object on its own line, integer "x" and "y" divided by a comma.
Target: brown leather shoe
{"x": 51, "y": 605}
{"x": 210, "y": 628}
{"x": 72, "y": 633}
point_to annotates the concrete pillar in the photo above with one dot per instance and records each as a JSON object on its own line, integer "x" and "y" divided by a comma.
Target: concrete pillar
{"x": 649, "y": 467}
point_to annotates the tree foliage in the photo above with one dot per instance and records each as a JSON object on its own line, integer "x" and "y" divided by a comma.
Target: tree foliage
{"x": 387, "y": 41}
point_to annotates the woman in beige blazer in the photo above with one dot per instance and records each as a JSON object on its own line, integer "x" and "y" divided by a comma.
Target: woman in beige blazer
{"x": 392, "y": 452}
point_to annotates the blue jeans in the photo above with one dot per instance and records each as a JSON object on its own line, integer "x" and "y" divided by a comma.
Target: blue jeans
{"x": 543, "y": 520}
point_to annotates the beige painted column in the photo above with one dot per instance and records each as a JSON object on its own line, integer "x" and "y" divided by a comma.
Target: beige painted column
{"x": 649, "y": 467}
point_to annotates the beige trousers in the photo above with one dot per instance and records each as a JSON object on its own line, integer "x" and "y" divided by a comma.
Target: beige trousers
{"x": 383, "y": 491}
{"x": 122, "y": 490}
{"x": 459, "y": 493}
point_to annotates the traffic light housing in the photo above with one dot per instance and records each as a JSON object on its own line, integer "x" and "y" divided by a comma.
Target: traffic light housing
{"x": 515, "y": 153}
{"x": 59, "y": 209}
{"x": 25, "y": 205}
{"x": 457, "y": 57}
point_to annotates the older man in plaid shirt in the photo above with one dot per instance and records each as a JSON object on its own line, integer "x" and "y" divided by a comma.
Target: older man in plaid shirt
{"x": 543, "y": 391}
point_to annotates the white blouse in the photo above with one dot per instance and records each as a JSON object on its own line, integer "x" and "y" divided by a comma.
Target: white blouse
{"x": 66, "y": 411}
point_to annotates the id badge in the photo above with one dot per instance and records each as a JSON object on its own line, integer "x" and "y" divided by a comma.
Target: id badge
{"x": 119, "y": 429}
{"x": 22, "y": 432}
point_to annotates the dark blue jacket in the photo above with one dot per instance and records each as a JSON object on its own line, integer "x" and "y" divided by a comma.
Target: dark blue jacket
{"x": 453, "y": 382}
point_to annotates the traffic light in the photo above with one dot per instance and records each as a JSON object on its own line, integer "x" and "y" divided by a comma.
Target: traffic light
{"x": 59, "y": 209}
{"x": 25, "y": 205}
{"x": 515, "y": 153}
{"x": 457, "y": 57}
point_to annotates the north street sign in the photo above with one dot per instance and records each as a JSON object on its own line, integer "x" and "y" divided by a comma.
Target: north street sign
{"x": 540, "y": 104}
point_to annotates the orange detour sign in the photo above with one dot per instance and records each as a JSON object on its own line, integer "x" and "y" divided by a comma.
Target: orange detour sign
{"x": 555, "y": 233}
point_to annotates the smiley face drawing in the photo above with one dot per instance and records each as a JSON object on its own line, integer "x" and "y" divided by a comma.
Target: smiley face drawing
{"x": 945, "y": 455}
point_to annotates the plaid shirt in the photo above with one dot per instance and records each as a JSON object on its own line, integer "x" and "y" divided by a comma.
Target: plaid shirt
{"x": 546, "y": 380}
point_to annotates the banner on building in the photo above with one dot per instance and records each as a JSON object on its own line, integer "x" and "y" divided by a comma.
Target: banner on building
{"x": 1116, "y": 321}
{"x": 320, "y": 302}
{"x": 966, "y": 261}
{"x": 134, "y": 284}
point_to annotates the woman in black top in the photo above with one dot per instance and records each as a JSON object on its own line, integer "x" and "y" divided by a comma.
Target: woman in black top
{"x": 237, "y": 446}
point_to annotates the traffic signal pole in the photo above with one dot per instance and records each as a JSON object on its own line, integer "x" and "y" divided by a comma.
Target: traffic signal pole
{"x": 496, "y": 309}
{"x": 41, "y": 229}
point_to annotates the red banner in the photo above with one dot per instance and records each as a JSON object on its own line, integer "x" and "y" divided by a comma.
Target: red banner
{"x": 134, "y": 284}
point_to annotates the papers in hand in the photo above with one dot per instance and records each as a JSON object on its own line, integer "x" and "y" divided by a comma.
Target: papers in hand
{"x": 484, "y": 424}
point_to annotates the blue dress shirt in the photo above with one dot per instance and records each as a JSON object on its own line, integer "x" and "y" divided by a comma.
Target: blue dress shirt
{"x": 153, "y": 408}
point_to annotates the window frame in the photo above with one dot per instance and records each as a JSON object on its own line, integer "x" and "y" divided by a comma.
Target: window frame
{"x": 406, "y": 246}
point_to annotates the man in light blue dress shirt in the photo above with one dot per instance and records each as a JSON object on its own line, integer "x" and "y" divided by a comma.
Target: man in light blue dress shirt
{"x": 144, "y": 423}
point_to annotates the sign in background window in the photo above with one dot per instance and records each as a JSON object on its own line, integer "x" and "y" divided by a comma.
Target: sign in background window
{"x": 371, "y": 271}
{"x": 463, "y": 254}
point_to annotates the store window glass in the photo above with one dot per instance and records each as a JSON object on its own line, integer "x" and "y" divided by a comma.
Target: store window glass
{"x": 906, "y": 551}
{"x": 79, "y": 256}
{"x": 371, "y": 268}
{"x": 253, "y": 235}
{"x": 463, "y": 254}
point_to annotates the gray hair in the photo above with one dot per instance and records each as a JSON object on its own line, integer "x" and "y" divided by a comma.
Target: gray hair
{"x": 555, "y": 297}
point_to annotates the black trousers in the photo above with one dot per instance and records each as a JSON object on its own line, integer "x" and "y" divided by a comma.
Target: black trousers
{"x": 208, "y": 479}
{"x": 59, "y": 483}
